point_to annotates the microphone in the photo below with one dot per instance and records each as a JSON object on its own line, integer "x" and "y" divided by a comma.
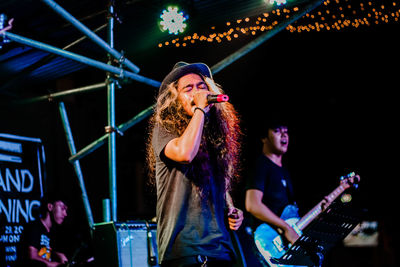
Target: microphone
{"x": 217, "y": 98}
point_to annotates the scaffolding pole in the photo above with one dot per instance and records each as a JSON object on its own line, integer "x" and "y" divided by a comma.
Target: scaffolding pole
{"x": 102, "y": 140}
{"x": 21, "y": 75}
{"x": 112, "y": 155}
{"x": 91, "y": 35}
{"x": 82, "y": 59}
{"x": 77, "y": 166}
{"x": 53, "y": 96}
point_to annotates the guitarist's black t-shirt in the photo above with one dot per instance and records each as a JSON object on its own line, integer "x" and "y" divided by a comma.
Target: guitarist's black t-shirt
{"x": 187, "y": 225}
{"x": 274, "y": 181}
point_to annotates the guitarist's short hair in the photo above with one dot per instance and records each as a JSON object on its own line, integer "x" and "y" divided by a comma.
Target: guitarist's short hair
{"x": 272, "y": 123}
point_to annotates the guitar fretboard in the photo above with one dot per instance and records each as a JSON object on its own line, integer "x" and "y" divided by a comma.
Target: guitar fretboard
{"x": 322, "y": 205}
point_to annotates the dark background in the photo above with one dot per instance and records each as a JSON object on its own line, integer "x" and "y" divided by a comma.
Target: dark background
{"x": 337, "y": 89}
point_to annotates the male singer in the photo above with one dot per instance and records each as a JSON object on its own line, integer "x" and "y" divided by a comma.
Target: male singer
{"x": 193, "y": 157}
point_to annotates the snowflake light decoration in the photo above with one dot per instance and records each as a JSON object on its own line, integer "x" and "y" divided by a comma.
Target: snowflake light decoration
{"x": 172, "y": 20}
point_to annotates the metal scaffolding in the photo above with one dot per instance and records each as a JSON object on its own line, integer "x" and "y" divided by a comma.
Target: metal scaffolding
{"x": 119, "y": 72}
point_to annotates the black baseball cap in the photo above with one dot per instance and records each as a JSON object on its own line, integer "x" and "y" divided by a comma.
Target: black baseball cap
{"x": 181, "y": 68}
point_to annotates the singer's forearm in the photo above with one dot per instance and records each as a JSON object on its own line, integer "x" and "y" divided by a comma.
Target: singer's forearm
{"x": 184, "y": 148}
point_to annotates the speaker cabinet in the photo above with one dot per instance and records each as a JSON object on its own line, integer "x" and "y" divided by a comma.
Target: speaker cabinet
{"x": 125, "y": 244}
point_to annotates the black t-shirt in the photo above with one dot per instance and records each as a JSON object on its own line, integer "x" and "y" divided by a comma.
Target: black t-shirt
{"x": 274, "y": 181}
{"x": 36, "y": 235}
{"x": 187, "y": 225}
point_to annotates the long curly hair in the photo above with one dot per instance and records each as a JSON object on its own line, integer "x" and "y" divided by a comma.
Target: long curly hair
{"x": 221, "y": 139}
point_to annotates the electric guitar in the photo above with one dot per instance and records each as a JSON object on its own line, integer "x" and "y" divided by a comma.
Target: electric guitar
{"x": 270, "y": 243}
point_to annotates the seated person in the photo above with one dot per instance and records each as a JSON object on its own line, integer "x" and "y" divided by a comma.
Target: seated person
{"x": 38, "y": 242}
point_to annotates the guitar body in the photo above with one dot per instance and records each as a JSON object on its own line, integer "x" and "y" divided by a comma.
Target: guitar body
{"x": 269, "y": 242}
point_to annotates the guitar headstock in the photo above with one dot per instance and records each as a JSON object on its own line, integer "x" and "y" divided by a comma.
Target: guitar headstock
{"x": 350, "y": 180}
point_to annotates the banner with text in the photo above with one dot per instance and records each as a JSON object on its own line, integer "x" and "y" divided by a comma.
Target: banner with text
{"x": 22, "y": 177}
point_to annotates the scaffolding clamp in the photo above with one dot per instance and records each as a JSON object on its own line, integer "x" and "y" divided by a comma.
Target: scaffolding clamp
{"x": 110, "y": 129}
{"x": 121, "y": 61}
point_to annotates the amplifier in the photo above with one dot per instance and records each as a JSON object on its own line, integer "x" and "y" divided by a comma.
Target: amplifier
{"x": 125, "y": 244}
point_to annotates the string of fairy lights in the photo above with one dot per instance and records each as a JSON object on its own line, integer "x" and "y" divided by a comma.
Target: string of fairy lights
{"x": 332, "y": 15}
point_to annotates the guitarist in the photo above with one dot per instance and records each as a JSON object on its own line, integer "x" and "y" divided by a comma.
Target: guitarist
{"x": 270, "y": 190}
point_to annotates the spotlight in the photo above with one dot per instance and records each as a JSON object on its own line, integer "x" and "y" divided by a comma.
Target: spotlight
{"x": 173, "y": 21}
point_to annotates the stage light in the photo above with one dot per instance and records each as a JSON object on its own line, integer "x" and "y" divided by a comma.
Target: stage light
{"x": 172, "y": 20}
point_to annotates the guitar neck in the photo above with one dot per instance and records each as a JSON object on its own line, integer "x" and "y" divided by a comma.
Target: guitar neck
{"x": 314, "y": 212}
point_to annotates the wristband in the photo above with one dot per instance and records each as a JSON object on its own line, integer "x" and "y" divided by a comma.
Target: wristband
{"x": 202, "y": 110}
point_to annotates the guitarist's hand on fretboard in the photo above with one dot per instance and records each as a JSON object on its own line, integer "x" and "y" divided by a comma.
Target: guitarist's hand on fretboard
{"x": 325, "y": 202}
